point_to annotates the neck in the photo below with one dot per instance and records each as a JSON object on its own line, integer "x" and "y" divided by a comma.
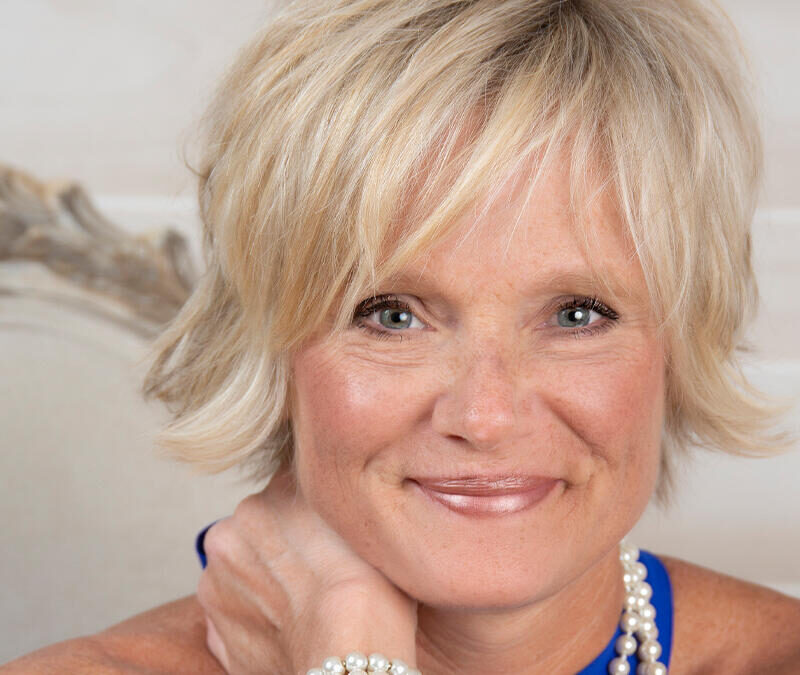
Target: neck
{"x": 560, "y": 633}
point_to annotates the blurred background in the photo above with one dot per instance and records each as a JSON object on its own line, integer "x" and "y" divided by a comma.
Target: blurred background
{"x": 97, "y": 526}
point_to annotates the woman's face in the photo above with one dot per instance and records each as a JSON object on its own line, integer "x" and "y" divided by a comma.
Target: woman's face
{"x": 498, "y": 437}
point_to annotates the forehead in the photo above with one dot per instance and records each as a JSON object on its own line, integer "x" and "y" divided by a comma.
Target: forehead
{"x": 527, "y": 234}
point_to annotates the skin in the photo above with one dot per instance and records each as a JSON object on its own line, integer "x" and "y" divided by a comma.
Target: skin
{"x": 743, "y": 629}
{"x": 484, "y": 381}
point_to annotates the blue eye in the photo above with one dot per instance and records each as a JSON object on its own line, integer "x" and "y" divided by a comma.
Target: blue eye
{"x": 576, "y": 313}
{"x": 574, "y": 317}
{"x": 393, "y": 315}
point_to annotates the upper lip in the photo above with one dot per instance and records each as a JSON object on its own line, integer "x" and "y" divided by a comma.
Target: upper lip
{"x": 484, "y": 485}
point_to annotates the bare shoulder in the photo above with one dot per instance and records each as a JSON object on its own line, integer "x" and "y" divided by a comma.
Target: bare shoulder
{"x": 167, "y": 639}
{"x": 727, "y": 625}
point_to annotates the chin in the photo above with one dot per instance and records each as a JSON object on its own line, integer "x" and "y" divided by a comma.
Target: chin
{"x": 482, "y": 578}
{"x": 480, "y": 590}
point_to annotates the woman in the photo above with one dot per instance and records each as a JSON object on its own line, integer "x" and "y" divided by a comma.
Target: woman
{"x": 477, "y": 272}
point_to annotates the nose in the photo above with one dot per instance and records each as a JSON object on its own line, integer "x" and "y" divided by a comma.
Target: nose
{"x": 479, "y": 405}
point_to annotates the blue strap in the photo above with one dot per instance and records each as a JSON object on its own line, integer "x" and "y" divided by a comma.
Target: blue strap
{"x": 198, "y": 544}
{"x": 657, "y": 577}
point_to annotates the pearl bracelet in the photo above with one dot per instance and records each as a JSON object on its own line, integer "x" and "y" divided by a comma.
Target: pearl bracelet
{"x": 356, "y": 663}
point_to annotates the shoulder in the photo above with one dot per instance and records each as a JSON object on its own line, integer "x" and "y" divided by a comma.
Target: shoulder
{"x": 167, "y": 639}
{"x": 724, "y": 624}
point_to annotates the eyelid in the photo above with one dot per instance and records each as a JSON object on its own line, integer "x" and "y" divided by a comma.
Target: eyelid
{"x": 369, "y": 305}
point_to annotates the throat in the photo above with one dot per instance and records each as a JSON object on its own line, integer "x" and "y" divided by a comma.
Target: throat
{"x": 563, "y": 632}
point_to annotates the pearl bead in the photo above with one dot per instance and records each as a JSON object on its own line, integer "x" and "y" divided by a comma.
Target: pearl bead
{"x": 315, "y": 671}
{"x": 355, "y": 661}
{"x": 629, "y": 622}
{"x": 649, "y": 651}
{"x": 651, "y": 669}
{"x": 638, "y": 619}
{"x": 357, "y": 671}
{"x": 399, "y": 667}
{"x": 644, "y": 590}
{"x": 619, "y": 666}
{"x": 413, "y": 671}
{"x": 628, "y": 553}
{"x": 626, "y": 644}
{"x": 333, "y": 664}
{"x": 646, "y": 629}
{"x": 648, "y": 612}
{"x": 378, "y": 663}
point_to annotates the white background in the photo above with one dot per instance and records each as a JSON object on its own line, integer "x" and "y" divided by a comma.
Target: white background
{"x": 96, "y": 527}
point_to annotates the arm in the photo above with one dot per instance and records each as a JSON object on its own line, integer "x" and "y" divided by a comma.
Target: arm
{"x": 168, "y": 639}
{"x": 282, "y": 593}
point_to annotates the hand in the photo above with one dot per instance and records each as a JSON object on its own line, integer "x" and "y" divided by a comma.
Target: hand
{"x": 282, "y": 591}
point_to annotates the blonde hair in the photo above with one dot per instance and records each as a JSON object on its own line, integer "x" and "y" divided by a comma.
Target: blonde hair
{"x": 338, "y": 106}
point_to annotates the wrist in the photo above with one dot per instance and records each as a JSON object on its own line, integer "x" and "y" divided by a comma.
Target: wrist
{"x": 356, "y": 663}
{"x": 353, "y": 618}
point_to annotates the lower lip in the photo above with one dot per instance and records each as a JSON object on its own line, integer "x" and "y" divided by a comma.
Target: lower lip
{"x": 491, "y": 505}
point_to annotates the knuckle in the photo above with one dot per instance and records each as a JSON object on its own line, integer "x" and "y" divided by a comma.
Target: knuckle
{"x": 221, "y": 541}
{"x": 250, "y": 509}
{"x": 206, "y": 591}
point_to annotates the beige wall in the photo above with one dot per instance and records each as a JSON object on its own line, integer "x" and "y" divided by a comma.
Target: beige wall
{"x": 96, "y": 527}
{"x": 106, "y": 90}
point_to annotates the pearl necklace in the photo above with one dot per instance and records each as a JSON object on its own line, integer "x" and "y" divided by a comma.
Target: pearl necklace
{"x": 638, "y": 619}
{"x": 640, "y": 634}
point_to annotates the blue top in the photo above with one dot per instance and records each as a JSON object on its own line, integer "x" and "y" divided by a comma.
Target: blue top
{"x": 657, "y": 577}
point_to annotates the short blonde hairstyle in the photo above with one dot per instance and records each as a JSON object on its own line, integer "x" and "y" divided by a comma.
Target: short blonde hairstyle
{"x": 338, "y": 106}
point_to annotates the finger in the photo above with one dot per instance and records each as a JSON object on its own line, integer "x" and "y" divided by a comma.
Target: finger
{"x": 258, "y": 523}
{"x": 266, "y": 536}
{"x": 245, "y": 589}
{"x": 241, "y": 638}
{"x": 241, "y": 570}
{"x": 243, "y": 644}
{"x": 215, "y": 644}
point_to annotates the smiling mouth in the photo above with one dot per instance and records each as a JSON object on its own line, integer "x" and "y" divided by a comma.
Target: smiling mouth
{"x": 484, "y": 496}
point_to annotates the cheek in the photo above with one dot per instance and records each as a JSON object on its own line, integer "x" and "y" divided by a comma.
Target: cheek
{"x": 344, "y": 414}
{"x": 617, "y": 410}
{"x": 613, "y": 407}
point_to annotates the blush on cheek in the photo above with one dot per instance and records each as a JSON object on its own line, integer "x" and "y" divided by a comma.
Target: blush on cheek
{"x": 639, "y": 413}
{"x": 615, "y": 408}
{"x": 343, "y": 415}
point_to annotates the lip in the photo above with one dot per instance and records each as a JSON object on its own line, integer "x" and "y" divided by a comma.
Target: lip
{"x": 485, "y": 496}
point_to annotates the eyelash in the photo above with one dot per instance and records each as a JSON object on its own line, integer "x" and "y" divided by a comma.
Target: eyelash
{"x": 372, "y": 305}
